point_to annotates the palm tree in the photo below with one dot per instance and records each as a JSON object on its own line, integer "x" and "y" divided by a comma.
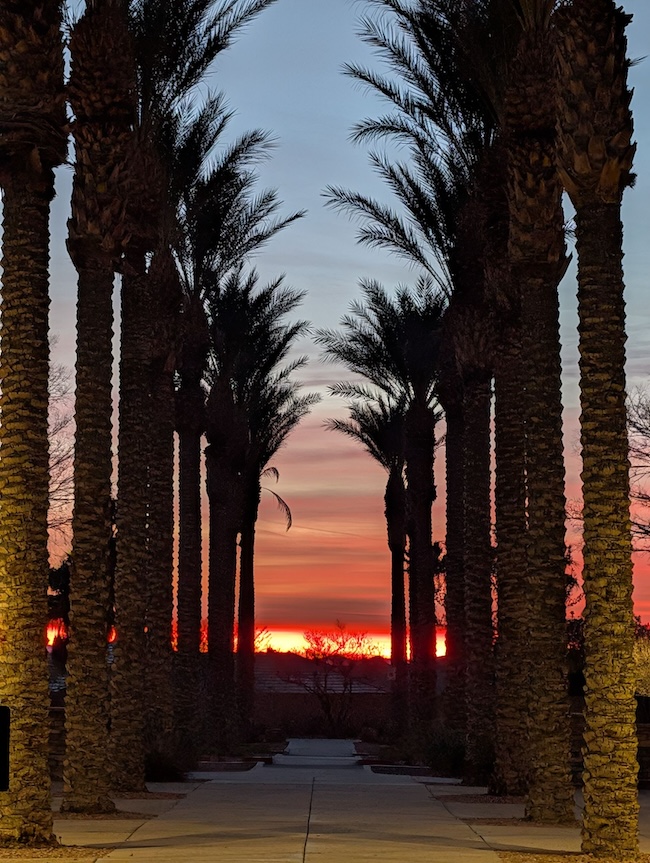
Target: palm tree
{"x": 275, "y": 412}
{"x": 33, "y": 142}
{"x": 159, "y": 711}
{"x": 247, "y": 342}
{"x": 450, "y": 393}
{"x": 513, "y": 659}
{"x": 447, "y": 129}
{"x": 190, "y": 423}
{"x": 536, "y": 250}
{"x": 100, "y": 50}
{"x": 454, "y": 60}
{"x": 469, "y": 320}
{"x": 596, "y": 153}
{"x": 171, "y": 62}
{"x": 482, "y": 39}
{"x": 473, "y": 342}
{"x": 219, "y": 222}
{"x": 378, "y": 424}
{"x": 394, "y": 344}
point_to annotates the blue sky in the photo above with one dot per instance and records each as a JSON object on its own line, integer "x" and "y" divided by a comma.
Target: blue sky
{"x": 283, "y": 74}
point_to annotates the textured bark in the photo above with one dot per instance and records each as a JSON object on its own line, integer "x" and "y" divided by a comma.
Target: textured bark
{"x": 99, "y": 90}
{"x": 550, "y": 793}
{"x": 165, "y": 294}
{"x": 25, "y": 813}
{"x": 455, "y": 702}
{"x": 465, "y": 392}
{"x": 189, "y": 423}
{"x": 127, "y": 673}
{"x": 246, "y": 611}
{"x": 33, "y": 124}
{"x": 513, "y": 659}
{"x": 86, "y": 768}
{"x": 596, "y": 154}
{"x": 160, "y": 555}
{"x": 477, "y": 568}
{"x": 420, "y": 494}
{"x": 537, "y": 255}
{"x": 610, "y": 822}
{"x": 33, "y": 140}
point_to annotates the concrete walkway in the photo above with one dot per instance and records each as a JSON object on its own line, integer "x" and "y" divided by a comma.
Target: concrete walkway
{"x": 316, "y": 804}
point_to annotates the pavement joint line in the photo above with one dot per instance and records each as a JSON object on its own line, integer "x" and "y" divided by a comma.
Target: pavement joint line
{"x": 311, "y": 803}
{"x": 122, "y": 844}
{"x": 467, "y": 824}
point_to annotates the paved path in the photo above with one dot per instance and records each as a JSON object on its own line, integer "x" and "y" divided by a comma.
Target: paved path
{"x": 316, "y": 804}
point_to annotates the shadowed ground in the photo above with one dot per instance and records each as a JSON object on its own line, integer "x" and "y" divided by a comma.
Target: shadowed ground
{"x": 316, "y": 804}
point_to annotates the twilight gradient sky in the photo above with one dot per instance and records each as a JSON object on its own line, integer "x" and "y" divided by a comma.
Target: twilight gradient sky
{"x": 284, "y": 75}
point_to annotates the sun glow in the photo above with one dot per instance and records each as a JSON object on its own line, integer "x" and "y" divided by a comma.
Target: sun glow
{"x": 55, "y": 629}
{"x": 291, "y": 640}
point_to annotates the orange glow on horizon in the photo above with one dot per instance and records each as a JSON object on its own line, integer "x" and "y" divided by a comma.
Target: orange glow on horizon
{"x": 292, "y": 640}
{"x": 55, "y": 629}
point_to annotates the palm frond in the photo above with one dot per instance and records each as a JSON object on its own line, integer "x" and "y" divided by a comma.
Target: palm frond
{"x": 283, "y": 506}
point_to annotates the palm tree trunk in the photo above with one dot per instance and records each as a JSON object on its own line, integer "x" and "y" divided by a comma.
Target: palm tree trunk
{"x": 86, "y": 770}
{"x": 610, "y": 822}
{"x": 420, "y": 494}
{"x": 596, "y": 155}
{"x": 165, "y": 293}
{"x": 101, "y": 97}
{"x": 455, "y": 701}
{"x": 395, "y": 511}
{"x": 189, "y": 527}
{"x": 246, "y": 616}
{"x": 477, "y": 568}
{"x": 537, "y": 253}
{"x": 160, "y": 548}
{"x": 513, "y": 659}
{"x": 25, "y": 812}
{"x": 224, "y": 528}
{"x": 127, "y": 673}
{"x": 550, "y": 793}
{"x": 189, "y": 407}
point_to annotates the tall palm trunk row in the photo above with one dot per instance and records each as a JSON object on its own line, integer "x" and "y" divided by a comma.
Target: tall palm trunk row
{"x": 514, "y": 77}
{"x": 577, "y": 137}
{"x": 115, "y": 124}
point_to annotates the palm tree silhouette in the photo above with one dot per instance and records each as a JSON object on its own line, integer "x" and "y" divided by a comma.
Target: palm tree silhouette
{"x": 378, "y": 424}
{"x": 220, "y": 221}
{"x": 171, "y": 61}
{"x": 248, "y": 342}
{"x": 447, "y": 130}
{"x": 393, "y": 343}
{"x": 272, "y": 416}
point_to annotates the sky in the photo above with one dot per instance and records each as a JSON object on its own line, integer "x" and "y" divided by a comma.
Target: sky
{"x": 284, "y": 75}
